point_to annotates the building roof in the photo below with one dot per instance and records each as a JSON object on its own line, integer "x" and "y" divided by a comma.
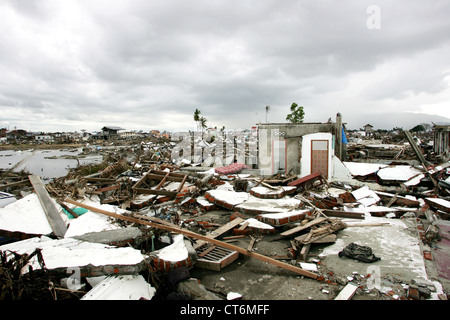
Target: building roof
{"x": 112, "y": 128}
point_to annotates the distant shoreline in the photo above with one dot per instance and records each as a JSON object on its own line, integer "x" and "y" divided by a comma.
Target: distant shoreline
{"x": 38, "y": 146}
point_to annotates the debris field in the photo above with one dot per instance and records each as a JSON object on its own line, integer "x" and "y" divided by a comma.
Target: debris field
{"x": 140, "y": 227}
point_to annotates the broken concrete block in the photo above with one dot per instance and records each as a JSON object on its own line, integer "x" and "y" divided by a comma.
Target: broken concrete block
{"x": 118, "y": 237}
{"x": 268, "y": 193}
{"x": 226, "y": 199}
{"x": 124, "y": 287}
{"x": 439, "y": 203}
{"x": 397, "y": 174}
{"x": 254, "y": 206}
{"x": 91, "y": 259}
{"x": 365, "y": 196}
{"x": 175, "y": 255}
{"x": 254, "y": 226}
{"x": 283, "y": 218}
{"x": 205, "y": 204}
{"x": 90, "y": 222}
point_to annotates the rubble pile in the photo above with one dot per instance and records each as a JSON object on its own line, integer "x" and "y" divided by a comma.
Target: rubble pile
{"x": 142, "y": 223}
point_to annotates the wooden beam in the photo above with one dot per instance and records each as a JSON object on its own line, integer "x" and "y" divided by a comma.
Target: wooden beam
{"x": 187, "y": 233}
{"x": 219, "y": 231}
{"x": 344, "y": 214}
{"x": 54, "y": 218}
{"x": 300, "y": 228}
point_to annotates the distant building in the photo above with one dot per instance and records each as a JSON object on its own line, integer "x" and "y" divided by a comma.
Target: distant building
{"x": 128, "y": 135}
{"x": 16, "y": 136}
{"x": 43, "y": 138}
{"x": 441, "y": 140}
{"x": 110, "y": 132}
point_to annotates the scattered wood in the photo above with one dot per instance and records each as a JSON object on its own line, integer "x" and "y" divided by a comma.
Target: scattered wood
{"x": 14, "y": 184}
{"x": 219, "y": 243}
{"x": 297, "y": 229}
{"x": 221, "y": 230}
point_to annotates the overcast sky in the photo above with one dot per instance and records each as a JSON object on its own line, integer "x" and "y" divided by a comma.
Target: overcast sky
{"x": 141, "y": 65}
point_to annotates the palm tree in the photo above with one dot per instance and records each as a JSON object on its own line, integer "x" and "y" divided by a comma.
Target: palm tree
{"x": 197, "y": 118}
{"x": 267, "y": 111}
{"x": 203, "y": 123}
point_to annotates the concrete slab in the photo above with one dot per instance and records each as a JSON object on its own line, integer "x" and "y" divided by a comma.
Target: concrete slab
{"x": 26, "y": 216}
{"x": 397, "y": 245}
{"x": 71, "y": 253}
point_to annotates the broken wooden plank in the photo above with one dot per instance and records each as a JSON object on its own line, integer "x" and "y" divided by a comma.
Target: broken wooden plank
{"x": 391, "y": 202}
{"x": 244, "y": 225}
{"x": 208, "y": 250}
{"x": 57, "y": 224}
{"x": 251, "y": 244}
{"x": 304, "y": 251}
{"x": 344, "y": 214}
{"x": 347, "y": 293}
{"x": 234, "y": 237}
{"x": 420, "y": 156}
{"x": 221, "y": 230}
{"x": 191, "y": 234}
{"x": 303, "y": 227}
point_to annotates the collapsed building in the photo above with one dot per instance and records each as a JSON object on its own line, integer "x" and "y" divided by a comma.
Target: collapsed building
{"x": 227, "y": 218}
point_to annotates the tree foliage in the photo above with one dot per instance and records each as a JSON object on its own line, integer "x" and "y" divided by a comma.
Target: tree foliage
{"x": 297, "y": 114}
{"x": 418, "y": 128}
{"x": 200, "y": 120}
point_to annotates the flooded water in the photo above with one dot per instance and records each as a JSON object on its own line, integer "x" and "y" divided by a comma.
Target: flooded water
{"x": 48, "y": 164}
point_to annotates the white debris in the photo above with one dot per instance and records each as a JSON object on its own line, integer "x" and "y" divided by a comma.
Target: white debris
{"x": 233, "y": 296}
{"x": 253, "y": 223}
{"x": 124, "y": 287}
{"x": 398, "y": 173}
{"x": 308, "y": 266}
{"x": 26, "y": 215}
{"x": 177, "y": 251}
{"x": 69, "y": 253}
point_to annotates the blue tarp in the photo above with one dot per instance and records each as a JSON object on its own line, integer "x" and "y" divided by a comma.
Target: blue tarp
{"x": 78, "y": 211}
{"x": 344, "y": 138}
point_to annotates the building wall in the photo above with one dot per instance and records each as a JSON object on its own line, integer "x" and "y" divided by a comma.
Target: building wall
{"x": 441, "y": 139}
{"x": 292, "y": 134}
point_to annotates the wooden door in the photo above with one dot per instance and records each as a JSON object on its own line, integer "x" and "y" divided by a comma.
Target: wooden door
{"x": 319, "y": 157}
